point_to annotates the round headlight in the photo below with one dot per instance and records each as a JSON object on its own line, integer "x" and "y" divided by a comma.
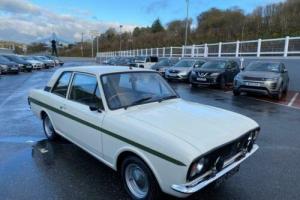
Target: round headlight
{"x": 197, "y": 168}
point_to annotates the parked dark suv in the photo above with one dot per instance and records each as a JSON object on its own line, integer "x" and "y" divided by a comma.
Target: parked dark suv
{"x": 216, "y": 72}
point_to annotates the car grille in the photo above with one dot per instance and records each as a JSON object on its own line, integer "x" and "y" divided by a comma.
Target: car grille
{"x": 228, "y": 151}
{"x": 173, "y": 71}
{"x": 202, "y": 74}
{"x": 253, "y": 78}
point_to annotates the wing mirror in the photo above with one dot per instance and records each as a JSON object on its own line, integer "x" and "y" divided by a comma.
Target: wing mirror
{"x": 94, "y": 108}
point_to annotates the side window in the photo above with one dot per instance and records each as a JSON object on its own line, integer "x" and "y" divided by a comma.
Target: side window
{"x": 85, "y": 90}
{"x": 61, "y": 86}
{"x": 236, "y": 65}
{"x": 282, "y": 67}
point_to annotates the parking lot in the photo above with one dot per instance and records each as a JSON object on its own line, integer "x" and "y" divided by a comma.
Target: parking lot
{"x": 33, "y": 168}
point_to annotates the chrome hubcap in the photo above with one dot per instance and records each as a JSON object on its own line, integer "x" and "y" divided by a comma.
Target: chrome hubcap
{"x": 137, "y": 181}
{"x": 49, "y": 130}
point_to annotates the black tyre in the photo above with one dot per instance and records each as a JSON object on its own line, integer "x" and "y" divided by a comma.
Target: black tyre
{"x": 138, "y": 180}
{"x": 48, "y": 128}
{"x": 286, "y": 88}
{"x": 222, "y": 82}
{"x": 28, "y": 70}
{"x": 236, "y": 92}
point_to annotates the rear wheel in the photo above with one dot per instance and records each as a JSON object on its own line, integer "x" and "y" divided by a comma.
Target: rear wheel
{"x": 286, "y": 88}
{"x": 48, "y": 128}
{"x": 138, "y": 180}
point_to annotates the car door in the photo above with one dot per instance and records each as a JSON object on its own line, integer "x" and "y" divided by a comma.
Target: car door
{"x": 231, "y": 70}
{"x": 284, "y": 74}
{"x": 57, "y": 97}
{"x": 236, "y": 69}
{"x": 85, "y": 105}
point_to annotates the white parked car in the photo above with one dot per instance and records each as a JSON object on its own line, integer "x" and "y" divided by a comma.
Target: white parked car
{"x": 35, "y": 63}
{"x": 145, "y": 61}
{"x": 134, "y": 122}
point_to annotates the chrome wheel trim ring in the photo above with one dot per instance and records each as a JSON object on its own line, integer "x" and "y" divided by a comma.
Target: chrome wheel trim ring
{"x": 136, "y": 181}
{"x": 49, "y": 130}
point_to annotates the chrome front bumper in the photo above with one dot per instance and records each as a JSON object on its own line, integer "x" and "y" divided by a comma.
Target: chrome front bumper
{"x": 198, "y": 184}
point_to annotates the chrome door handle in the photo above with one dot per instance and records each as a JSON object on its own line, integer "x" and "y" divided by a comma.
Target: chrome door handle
{"x": 62, "y": 107}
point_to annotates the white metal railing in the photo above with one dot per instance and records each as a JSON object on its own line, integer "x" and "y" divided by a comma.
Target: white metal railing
{"x": 280, "y": 47}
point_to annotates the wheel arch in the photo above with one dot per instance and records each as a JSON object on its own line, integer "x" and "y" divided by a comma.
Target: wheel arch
{"x": 43, "y": 114}
{"x": 125, "y": 152}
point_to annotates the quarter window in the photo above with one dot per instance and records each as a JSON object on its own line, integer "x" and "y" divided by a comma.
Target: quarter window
{"x": 61, "y": 86}
{"x": 85, "y": 90}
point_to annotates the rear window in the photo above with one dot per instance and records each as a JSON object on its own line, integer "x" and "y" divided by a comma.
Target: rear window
{"x": 61, "y": 86}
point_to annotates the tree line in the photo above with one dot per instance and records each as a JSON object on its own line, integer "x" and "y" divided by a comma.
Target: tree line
{"x": 214, "y": 25}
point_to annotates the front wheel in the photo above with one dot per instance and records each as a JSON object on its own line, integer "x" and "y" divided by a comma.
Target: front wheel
{"x": 138, "y": 180}
{"x": 236, "y": 92}
{"x": 278, "y": 96}
{"x": 222, "y": 83}
{"x": 48, "y": 128}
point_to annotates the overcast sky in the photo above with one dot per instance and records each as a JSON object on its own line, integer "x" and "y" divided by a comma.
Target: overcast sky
{"x": 30, "y": 20}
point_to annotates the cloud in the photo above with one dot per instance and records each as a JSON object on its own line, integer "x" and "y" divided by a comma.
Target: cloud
{"x": 23, "y": 21}
{"x": 157, "y": 5}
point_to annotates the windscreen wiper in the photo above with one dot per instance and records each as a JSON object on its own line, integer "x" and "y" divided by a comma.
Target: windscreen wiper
{"x": 138, "y": 102}
{"x": 167, "y": 97}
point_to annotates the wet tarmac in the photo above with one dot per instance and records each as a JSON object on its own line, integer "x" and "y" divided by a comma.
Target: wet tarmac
{"x": 33, "y": 168}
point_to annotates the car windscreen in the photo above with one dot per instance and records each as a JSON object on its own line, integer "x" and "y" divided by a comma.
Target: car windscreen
{"x": 140, "y": 59}
{"x": 127, "y": 89}
{"x": 42, "y": 58}
{"x": 3, "y": 59}
{"x": 164, "y": 62}
{"x": 15, "y": 58}
{"x": 263, "y": 67}
{"x": 185, "y": 63}
{"x": 214, "y": 65}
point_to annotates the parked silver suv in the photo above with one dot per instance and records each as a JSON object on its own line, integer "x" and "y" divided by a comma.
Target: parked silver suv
{"x": 269, "y": 78}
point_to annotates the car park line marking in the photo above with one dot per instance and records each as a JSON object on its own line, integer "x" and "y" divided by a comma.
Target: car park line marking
{"x": 107, "y": 132}
{"x": 280, "y": 103}
{"x": 293, "y": 99}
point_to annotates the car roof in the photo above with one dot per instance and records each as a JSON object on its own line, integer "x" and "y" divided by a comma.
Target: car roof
{"x": 103, "y": 69}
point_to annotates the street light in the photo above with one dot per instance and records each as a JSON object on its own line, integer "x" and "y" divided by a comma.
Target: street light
{"x": 94, "y": 33}
{"x": 186, "y": 21}
{"x": 121, "y": 26}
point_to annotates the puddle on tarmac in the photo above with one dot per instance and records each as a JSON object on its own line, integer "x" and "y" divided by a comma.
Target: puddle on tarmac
{"x": 20, "y": 139}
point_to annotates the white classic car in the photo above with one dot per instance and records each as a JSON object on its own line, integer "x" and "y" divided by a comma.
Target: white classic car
{"x": 134, "y": 122}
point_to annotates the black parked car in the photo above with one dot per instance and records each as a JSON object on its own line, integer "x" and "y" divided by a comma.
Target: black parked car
{"x": 217, "y": 72}
{"x": 6, "y": 66}
{"x": 23, "y": 64}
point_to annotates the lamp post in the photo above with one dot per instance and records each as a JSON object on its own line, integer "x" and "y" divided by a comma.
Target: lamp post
{"x": 186, "y": 21}
{"x": 121, "y": 26}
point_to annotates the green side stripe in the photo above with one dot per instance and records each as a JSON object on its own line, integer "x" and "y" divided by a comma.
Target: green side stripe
{"x": 133, "y": 143}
